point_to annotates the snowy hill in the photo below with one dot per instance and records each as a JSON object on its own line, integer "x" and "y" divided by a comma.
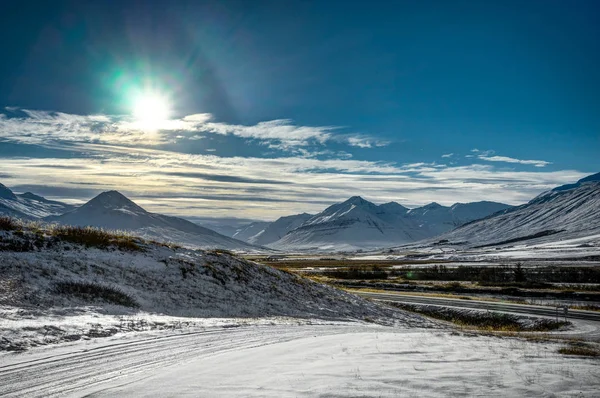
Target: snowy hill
{"x": 355, "y": 223}
{"x": 51, "y": 272}
{"x": 279, "y": 228}
{"x": 247, "y": 232}
{"x": 111, "y": 210}
{"x": 358, "y": 223}
{"x": 29, "y": 205}
{"x": 565, "y": 212}
{"x": 263, "y": 233}
{"x": 437, "y": 219}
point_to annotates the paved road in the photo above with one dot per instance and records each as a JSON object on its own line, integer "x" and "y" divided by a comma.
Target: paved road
{"x": 486, "y": 305}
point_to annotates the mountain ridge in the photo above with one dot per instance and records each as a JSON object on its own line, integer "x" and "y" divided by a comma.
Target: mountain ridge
{"x": 357, "y": 223}
{"x": 113, "y": 210}
{"x": 565, "y": 212}
{"x": 28, "y": 205}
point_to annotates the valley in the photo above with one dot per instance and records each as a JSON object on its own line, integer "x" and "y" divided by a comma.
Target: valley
{"x": 175, "y": 298}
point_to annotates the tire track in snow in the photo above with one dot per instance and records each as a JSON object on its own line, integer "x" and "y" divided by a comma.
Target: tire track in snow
{"x": 68, "y": 373}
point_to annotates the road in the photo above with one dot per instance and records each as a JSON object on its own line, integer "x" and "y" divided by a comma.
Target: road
{"x": 485, "y": 305}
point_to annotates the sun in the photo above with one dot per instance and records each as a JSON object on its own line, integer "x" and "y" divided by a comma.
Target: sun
{"x": 151, "y": 110}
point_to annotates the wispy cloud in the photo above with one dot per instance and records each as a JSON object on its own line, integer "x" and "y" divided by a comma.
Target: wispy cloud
{"x": 366, "y": 142}
{"x": 490, "y": 156}
{"x": 265, "y": 188}
{"x": 506, "y": 159}
{"x": 447, "y": 155}
{"x": 29, "y": 126}
{"x": 108, "y": 152}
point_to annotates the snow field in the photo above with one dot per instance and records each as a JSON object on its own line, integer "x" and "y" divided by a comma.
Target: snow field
{"x": 281, "y": 360}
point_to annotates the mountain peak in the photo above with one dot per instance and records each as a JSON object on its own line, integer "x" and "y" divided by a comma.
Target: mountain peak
{"x": 432, "y": 205}
{"x": 31, "y": 195}
{"x": 357, "y": 200}
{"x": 113, "y": 200}
{"x": 112, "y": 195}
{"x": 6, "y": 193}
{"x": 394, "y": 207}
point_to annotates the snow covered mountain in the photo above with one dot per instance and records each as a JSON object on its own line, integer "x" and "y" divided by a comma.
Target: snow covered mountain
{"x": 29, "y": 205}
{"x": 112, "y": 210}
{"x": 264, "y": 233}
{"x": 358, "y": 223}
{"x": 247, "y": 232}
{"x": 437, "y": 219}
{"x": 355, "y": 223}
{"x": 566, "y": 212}
{"x": 278, "y": 229}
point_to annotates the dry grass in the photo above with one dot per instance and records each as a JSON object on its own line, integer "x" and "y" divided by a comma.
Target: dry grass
{"x": 222, "y": 251}
{"x": 91, "y": 291}
{"x": 443, "y": 295}
{"x": 96, "y": 237}
{"x": 29, "y": 233}
{"x": 10, "y": 224}
{"x": 336, "y": 263}
{"x": 487, "y": 321}
{"x": 507, "y": 277}
{"x": 580, "y": 349}
{"x": 586, "y": 307}
{"x": 170, "y": 245}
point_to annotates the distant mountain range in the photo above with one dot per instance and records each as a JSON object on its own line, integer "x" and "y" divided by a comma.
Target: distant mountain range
{"x": 265, "y": 233}
{"x": 566, "y": 212}
{"x": 359, "y": 224}
{"x": 112, "y": 210}
{"x": 353, "y": 224}
{"x": 29, "y": 205}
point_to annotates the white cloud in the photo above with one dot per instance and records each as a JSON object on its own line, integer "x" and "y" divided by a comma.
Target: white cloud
{"x": 448, "y": 155}
{"x": 267, "y": 188}
{"x": 39, "y": 127}
{"x": 198, "y": 118}
{"x": 366, "y": 142}
{"x": 506, "y": 159}
{"x": 42, "y": 126}
{"x": 109, "y": 153}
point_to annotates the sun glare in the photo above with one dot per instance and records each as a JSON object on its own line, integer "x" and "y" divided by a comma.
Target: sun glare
{"x": 151, "y": 110}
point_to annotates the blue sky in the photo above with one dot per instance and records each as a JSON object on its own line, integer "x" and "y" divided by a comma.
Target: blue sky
{"x": 283, "y": 107}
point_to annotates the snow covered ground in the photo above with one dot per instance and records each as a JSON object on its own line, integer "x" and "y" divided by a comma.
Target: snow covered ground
{"x": 574, "y": 251}
{"x": 52, "y": 290}
{"x": 166, "y": 321}
{"x": 299, "y": 360}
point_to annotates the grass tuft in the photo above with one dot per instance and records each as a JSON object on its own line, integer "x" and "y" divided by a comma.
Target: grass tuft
{"x": 91, "y": 291}
{"x": 580, "y": 349}
{"x": 490, "y": 321}
{"x": 222, "y": 251}
{"x": 10, "y": 224}
{"x": 96, "y": 237}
